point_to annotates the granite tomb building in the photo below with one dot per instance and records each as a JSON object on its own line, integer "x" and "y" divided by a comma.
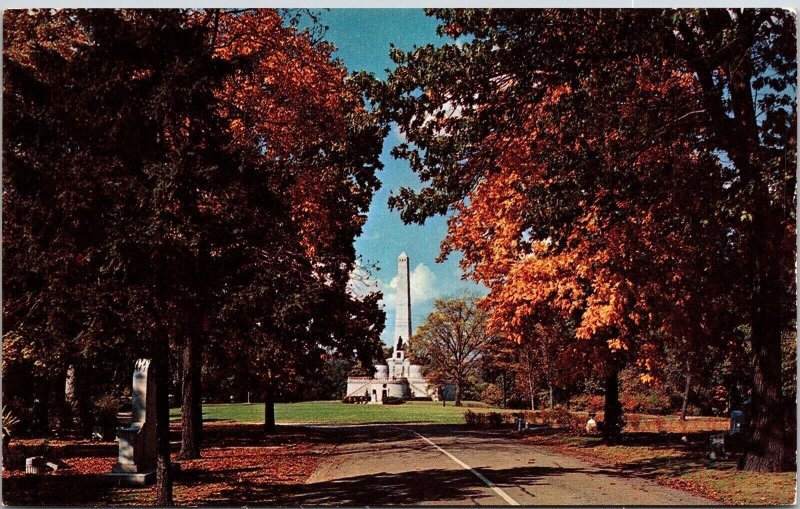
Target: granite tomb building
{"x": 398, "y": 377}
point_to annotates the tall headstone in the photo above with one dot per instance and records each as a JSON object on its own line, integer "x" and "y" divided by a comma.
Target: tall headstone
{"x": 402, "y": 317}
{"x": 136, "y": 463}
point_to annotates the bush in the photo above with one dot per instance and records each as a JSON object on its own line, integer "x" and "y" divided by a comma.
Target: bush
{"x": 588, "y": 402}
{"x": 595, "y": 403}
{"x": 489, "y": 420}
{"x": 355, "y": 399}
{"x": 105, "y": 414}
{"x": 494, "y": 419}
{"x": 393, "y": 400}
{"x": 559, "y": 417}
{"x": 492, "y": 395}
{"x": 645, "y": 400}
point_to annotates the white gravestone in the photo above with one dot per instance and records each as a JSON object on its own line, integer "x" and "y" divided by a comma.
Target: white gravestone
{"x": 136, "y": 463}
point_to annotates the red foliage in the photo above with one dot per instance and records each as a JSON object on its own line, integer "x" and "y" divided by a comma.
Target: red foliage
{"x": 246, "y": 467}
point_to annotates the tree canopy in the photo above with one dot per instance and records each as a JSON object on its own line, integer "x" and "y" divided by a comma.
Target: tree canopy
{"x": 621, "y": 170}
{"x": 182, "y": 176}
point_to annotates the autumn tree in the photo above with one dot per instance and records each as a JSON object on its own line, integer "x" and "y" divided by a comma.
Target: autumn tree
{"x": 565, "y": 155}
{"x": 293, "y": 108}
{"x": 451, "y": 341}
{"x": 137, "y": 218}
{"x": 108, "y": 142}
{"x": 499, "y": 366}
{"x": 745, "y": 64}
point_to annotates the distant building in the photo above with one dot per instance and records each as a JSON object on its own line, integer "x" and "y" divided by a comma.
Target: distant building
{"x": 398, "y": 377}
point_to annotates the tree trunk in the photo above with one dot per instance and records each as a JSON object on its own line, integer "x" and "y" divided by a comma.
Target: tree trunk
{"x": 612, "y": 429}
{"x": 551, "y": 396}
{"x": 503, "y": 381}
{"x": 191, "y": 405}
{"x": 163, "y": 471}
{"x": 83, "y": 400}
{"x": 458, "y": 393}
{"x": 686, "y": 392}
{"x": 531, "y": 391}
{"x": 766, "y": 448}
{"x": 269, "y": 406}
{"x": 71, "y": 396}
{"x": 58, "y": 404}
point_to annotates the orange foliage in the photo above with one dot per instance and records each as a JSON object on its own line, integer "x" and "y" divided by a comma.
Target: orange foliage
{"x": 295, "y": 106}
{"x": 623, "y": 255}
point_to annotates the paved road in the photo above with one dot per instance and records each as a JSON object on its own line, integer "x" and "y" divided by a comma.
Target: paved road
{"x": 442, "y": 465}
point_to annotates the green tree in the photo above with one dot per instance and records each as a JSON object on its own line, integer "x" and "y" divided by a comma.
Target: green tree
{"x": 451, "y": 342}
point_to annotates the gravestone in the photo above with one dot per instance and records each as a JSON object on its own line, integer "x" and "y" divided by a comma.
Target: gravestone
{"x": 737, "y": 422}
{"x": 36, "y": 465}
{"x": 717, "y": 447}
{"x": 136, "y": 463}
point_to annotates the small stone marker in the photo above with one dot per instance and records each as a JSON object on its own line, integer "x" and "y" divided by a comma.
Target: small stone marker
{"x": 717, "y": 447}
{"x": 39, "y": 465}
{"x": 136, "y": 463}
{"x": 35, "y": 465}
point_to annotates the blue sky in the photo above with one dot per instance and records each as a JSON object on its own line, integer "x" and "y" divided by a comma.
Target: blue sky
{"x": 362, "y": 37}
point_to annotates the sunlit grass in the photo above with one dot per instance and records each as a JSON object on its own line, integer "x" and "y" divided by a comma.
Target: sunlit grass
{"x": 335, "y": 412}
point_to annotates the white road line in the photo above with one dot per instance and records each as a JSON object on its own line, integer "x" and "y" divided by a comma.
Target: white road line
{"x": 477, "y": 474}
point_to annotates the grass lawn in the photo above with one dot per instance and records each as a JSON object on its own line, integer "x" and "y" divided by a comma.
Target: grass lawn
{"x": 682, "y": 465}
{"x": 335, "y": 412}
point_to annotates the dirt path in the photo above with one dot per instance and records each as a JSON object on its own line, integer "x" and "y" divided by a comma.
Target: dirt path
{"x": 445, "y": 465}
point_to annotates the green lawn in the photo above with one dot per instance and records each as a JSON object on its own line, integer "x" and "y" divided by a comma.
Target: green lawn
{"x": 335, "y": 412}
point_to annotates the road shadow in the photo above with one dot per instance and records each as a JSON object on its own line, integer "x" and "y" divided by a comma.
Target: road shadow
{"x": 690, "y": 450}
{"x": 414, "y": 487}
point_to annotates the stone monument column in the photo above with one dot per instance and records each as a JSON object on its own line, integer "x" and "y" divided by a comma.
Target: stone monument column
{"x": 136, "y": 462}
{"x": 402, "y": 316}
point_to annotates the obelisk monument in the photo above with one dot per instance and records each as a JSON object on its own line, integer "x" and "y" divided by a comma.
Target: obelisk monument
{"x": 402, "y": 316}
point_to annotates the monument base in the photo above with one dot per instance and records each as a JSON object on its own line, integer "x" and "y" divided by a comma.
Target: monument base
{"x": 118, "y": 477}
{"x": 131, "y": 478}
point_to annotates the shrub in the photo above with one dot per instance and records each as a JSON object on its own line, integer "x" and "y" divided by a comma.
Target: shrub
{"x": 492, "y": 395}
{"x": 645, "y": 400}
{"x": 566, "y": 420}
{"x": 393, "y": 400}
{"x": 595, "y": 403}
{"x": 494, "y": 419}
{"x": 355, "y": 399}
{"x": 105, "y": 414}
{"x": 488, "y": 420}
{"x": 561, "y": 417}
{"x": 529, "y": 416}
{"x": 472, "y": 418}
